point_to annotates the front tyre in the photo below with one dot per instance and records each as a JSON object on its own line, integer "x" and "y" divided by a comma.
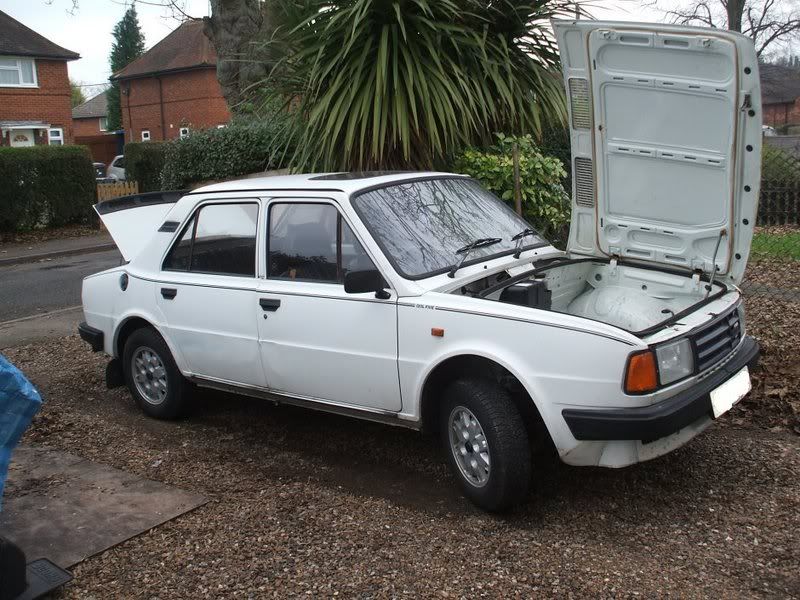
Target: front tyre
{"x": 152, "y": 376}
{"x": 486, "y": 443}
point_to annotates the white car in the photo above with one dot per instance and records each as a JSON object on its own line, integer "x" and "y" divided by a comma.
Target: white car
{"x": 116, "y": 170}
{"x": 420, "y": 300}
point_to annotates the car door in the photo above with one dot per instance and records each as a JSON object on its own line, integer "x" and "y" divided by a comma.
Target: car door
{"x": 207, "y": 291}
{"x": 317, "y": 341}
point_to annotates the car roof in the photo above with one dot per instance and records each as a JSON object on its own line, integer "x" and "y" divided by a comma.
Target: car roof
{"x": 348, "y": 183}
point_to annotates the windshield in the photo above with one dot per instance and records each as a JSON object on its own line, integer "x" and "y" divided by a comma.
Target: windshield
{"x": 420, "y": 224}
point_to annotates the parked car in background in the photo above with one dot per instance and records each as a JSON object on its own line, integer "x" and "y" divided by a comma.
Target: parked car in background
{"x": 421, "y": 300}
{"x": 116, "y": 170}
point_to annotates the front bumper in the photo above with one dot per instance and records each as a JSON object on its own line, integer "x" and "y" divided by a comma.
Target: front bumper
{"x": 654, "y": 422}
{"x": 92, "y": 336}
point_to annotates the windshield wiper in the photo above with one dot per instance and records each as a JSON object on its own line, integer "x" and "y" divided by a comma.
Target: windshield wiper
{"x": 521, "y": 236}
{"x": 479, "y": 243}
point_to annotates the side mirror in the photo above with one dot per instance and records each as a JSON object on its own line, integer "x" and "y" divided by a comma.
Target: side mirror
{"x": 358, "y": 282}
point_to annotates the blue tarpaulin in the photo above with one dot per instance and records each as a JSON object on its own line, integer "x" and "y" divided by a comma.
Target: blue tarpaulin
{"x": 19, "y": 401}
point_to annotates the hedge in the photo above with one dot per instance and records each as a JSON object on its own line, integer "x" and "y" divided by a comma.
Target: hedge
{"x": 45, "y": 186}
{"x": 144, "y": 162}
{"x": 218, "y": 154}
{"x": 545, "y": 203}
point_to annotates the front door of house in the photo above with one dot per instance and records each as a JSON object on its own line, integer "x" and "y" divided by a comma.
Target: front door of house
{"x": 21, "y": 137}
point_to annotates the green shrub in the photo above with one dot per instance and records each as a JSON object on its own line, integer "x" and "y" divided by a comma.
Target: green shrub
{"x": 144, "y": 162}
{"x": 218, "y": 154}
{"x": 45, "y": 186}
{"x": 544, "y": 202}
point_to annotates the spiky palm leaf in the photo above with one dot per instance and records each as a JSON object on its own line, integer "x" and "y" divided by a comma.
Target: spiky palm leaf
{"x": 402, "y": 83}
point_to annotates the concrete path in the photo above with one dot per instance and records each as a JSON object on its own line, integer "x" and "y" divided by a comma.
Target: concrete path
{"x": 11, "y": 254}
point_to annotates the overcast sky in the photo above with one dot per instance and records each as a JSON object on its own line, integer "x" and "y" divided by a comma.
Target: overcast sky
{"x": 87, "y": 31}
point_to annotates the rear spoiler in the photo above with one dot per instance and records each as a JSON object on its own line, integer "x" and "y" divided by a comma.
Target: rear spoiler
{"x": 136, "y": 200}
{"x": 133, "y": 220}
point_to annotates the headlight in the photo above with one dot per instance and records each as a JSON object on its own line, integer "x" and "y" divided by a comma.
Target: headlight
{"x": 675, "y": 361}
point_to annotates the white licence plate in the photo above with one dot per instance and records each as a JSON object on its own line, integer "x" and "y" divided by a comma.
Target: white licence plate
{"x": 730, "y": 392}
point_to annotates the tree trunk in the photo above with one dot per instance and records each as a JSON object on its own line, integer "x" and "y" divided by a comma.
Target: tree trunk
{"x": 233, "y": 28}
{"x": 735, "y": 10}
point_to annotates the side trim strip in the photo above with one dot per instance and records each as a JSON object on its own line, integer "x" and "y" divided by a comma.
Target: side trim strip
{"x": 367, "y": 414}
{"x": 521, "y": 320}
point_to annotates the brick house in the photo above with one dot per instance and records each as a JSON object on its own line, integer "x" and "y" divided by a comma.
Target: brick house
{"x": 35, "y": 96}
{"x": 90, "y": 124}
{"x": 91, "y": 117}
{"x": 172, "y": 88}
{"x": 780, "y": 95}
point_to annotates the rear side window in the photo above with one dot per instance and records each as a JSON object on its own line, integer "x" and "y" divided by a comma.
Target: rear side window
{"x": 219, "y": 239}
{"x": 311, "y": 242}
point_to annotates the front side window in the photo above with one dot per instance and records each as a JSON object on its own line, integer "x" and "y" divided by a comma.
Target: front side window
{"x": 56, "y": 136}
{"x": 420, "y": 224}
{"x": 311, "y": 242}
{"x": 17, "y": 72}
{"x": 219, "y": 239}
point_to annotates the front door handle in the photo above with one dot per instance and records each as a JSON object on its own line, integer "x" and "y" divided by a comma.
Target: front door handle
{"x": 269, "y": 304}
{"x": 169, "y": 293}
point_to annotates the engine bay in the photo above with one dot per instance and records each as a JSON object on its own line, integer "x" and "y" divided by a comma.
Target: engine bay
{"x": 631, "y": 297}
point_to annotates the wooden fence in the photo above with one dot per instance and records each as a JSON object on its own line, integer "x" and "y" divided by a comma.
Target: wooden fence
{"x": 106, "y": 191}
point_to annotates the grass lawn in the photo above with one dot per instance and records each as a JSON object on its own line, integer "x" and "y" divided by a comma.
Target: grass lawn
{"x": 783, "y": 245}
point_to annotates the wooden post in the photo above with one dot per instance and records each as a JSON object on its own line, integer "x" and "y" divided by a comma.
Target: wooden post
{"x": 517, "y": 183}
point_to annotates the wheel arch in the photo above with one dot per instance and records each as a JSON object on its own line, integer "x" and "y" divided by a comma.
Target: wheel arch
{"x": 472, "y": 365}
{"x": 131, "y": 323}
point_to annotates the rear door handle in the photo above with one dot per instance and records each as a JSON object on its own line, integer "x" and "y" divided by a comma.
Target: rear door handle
{"x": 169, "y": 293}
{"x": 269, "y": 304}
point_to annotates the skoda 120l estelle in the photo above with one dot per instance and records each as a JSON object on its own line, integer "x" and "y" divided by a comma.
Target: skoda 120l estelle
{"x": 421, "y": 300}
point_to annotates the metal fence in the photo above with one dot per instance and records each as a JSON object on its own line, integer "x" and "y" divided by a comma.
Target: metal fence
{"x": 773, "y": 270}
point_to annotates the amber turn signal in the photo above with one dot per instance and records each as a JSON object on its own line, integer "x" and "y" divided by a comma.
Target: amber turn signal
{"x": 437, "y": 332}
{"x": 641, "y": 375}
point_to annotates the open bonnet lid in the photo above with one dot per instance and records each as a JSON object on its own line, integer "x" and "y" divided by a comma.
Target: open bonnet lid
{"x": 665, "y": 125}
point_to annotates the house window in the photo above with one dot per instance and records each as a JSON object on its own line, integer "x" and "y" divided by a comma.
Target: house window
{"x": 17, "y": 72}
{"x": 184, "y": 132}
{"x": 145, "y": 135}
{"x": 103, "y": 124}
{"x": 55, "y": 136}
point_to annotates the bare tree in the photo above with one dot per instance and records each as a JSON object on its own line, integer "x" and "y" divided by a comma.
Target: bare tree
{"x": 768, "y": 22}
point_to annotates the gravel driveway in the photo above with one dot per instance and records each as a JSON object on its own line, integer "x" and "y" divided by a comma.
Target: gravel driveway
{"x": 308, "y": 503}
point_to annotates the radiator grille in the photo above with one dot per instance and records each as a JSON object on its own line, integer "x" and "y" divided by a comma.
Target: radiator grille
{"x": 717, "y": 340}
{"x": 584, "y": 181}
{"x": 579, "y": 100}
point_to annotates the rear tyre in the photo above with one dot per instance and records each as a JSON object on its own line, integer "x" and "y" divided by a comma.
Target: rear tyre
{"x": 486, "y": 443}
{"x": 152, "y": 376}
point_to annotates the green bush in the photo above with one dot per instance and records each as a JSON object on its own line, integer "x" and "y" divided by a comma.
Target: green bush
{"x": 544, "y": 202}
{"x": 45, "y": 186}
{"x": 217, "y": 154}
{"x": 144, "y": 162}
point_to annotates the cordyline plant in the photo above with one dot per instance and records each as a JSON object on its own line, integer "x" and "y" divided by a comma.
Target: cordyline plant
{"x": 404, "y": 83}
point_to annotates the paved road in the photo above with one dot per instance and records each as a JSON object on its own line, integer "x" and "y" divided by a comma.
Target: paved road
{"x": 33, "y": 288}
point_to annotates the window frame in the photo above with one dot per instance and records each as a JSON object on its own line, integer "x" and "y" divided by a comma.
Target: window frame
{"x": 342, "y": 218}
{"x": 59, "y": 138}
{"x": 190, "y": 220}
{"x": 18, "y": 69}
{"x": 100, "y": 121}
{"x": 146, "y": 132}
